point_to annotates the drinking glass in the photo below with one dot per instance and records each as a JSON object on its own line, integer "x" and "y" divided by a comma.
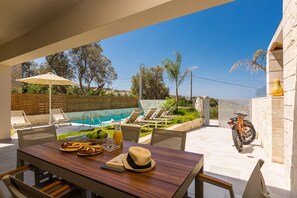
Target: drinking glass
{"x": 118, "y": 135}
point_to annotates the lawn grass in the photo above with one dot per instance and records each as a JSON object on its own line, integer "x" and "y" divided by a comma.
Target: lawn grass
{"x": 185, "y": 114}
{"x": 110, "y": 130}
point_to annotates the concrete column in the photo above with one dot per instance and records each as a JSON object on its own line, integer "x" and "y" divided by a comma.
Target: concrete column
{"x": 206, "y": 111}
{"x": 202, "y": 106}
{"x": 5, "y": 102}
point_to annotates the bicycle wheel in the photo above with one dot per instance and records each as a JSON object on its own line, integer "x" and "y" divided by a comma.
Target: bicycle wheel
{"x": 249, "y": 134}
{"x": 237, "y": 140}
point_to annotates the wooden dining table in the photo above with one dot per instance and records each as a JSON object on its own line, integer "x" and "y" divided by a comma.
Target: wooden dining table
{"x": 171, "y": 177}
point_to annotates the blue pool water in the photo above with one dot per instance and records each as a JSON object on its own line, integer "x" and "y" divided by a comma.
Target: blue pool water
{"x": 96, "y": 121}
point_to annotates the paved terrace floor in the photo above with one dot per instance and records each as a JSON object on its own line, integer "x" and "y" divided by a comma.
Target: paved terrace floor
{"x": 220, "y": 160}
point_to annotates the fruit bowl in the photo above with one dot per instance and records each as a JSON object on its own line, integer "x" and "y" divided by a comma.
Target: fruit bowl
{"x": 97, "y": 137}
{"x": 98, "y": 141}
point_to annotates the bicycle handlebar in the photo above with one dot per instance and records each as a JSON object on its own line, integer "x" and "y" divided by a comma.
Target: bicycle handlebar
{"x": 241, "y": 114}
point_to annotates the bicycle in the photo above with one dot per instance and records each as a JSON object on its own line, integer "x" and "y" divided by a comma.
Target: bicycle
{"x": 243, "y": 131}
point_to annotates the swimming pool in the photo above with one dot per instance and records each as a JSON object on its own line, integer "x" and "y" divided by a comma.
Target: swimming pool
{"x": 97, "y": 122}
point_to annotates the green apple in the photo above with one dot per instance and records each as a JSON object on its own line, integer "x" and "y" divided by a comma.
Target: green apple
{"x": 102, "y": 135}
{"x": 95, "y": 136}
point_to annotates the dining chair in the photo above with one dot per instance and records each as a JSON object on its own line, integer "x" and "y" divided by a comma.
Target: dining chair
{"x": 169, "y": 139}
{"x": 255, "y": 187}
{"x": 34, "y": 136}
{"x": 19, "y": 189}
{"x": 131, "y": 132}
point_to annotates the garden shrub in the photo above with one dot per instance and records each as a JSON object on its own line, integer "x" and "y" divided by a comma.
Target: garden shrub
{"x": 169, "y": 102}
{"x": 214, "y": 112}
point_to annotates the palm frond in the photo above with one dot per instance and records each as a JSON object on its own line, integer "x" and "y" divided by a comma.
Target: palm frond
{"x": 169, "y": 67}
{"x": 259, "y": 55}
{"x": 248, "y": 65}
{"x": 184, "y": 75}
{"x": 257, "y": 63}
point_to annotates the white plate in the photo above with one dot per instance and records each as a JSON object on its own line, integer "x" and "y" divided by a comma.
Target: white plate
{"x": 69, "y": 150}
{"x": 85, "y": 155}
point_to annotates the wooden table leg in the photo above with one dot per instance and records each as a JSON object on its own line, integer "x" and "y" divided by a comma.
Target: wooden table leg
{"x": 199, "y": 186}
{"x": 19, "y": 164}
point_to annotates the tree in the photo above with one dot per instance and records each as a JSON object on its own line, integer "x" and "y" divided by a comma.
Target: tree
{"x": 175, "y": 74}
{"x": 102, "y": 72}
{"x": 257, "y": 63}
{"x": 59, "y": 64}
{"x": 29, "y": 69}
{"x": 92, "y": 66}
{"x": 153, "y": 86}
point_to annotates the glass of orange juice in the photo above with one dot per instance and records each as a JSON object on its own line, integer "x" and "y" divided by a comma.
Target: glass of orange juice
{"x": 118, "y": 135}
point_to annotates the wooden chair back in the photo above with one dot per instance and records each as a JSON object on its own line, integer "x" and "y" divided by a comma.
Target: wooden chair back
{"x": 33, "y": 136}
{"x": 131, "y": 132}
{"x": 169, "y": 139}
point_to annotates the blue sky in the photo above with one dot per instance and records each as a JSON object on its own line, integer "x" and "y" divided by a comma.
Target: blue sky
{"x": 212, "y": 39}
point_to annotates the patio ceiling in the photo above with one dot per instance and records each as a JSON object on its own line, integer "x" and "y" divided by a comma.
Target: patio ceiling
{"x": 34, "y": 28}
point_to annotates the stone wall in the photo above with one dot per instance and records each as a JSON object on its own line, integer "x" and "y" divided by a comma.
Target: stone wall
{"x": 267, "y": 118}
{"x": 148, "y": 104}
{"x": 227, "y": 108}
{"x": 16, "y": 73}
{"x": 188, "y": 126}
{"x": 290, "y": 97}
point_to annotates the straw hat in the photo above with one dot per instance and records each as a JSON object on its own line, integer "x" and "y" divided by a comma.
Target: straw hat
{"x": 138, "y": 159}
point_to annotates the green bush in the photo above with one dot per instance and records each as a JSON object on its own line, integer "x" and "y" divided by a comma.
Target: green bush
{"x": 186, "y": 115}
{"x": 73, "y": 90}
{"x": 36, "y": 89}
{"x": 214, "y": 112}
{"x": 169, "y": 102}
{"x": 185, "y": 103}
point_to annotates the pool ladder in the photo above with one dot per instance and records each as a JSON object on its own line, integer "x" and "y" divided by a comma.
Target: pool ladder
{"x": 91, "y": 116}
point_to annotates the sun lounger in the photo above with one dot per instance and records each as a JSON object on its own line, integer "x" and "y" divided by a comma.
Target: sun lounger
{"x": 159, "y": 114}
{"x": 147, "y": 119}
{"x": 133, "y": 117}
{"x": 59, "y": 117}
{"x": 168, "y": 114}
{"x": 19, "y": 120}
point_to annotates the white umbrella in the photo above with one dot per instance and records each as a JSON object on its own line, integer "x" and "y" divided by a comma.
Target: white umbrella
{"x": 47, "y": 79}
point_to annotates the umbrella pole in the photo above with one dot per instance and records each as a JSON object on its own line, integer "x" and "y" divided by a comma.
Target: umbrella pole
{"x": 50, "y": 104}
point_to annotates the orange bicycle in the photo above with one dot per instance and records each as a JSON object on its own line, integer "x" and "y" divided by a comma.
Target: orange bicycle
{"x": 243, "y": 131}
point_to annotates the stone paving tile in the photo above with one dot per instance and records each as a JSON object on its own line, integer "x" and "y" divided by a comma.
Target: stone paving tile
{"x": 220, "y": 157}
